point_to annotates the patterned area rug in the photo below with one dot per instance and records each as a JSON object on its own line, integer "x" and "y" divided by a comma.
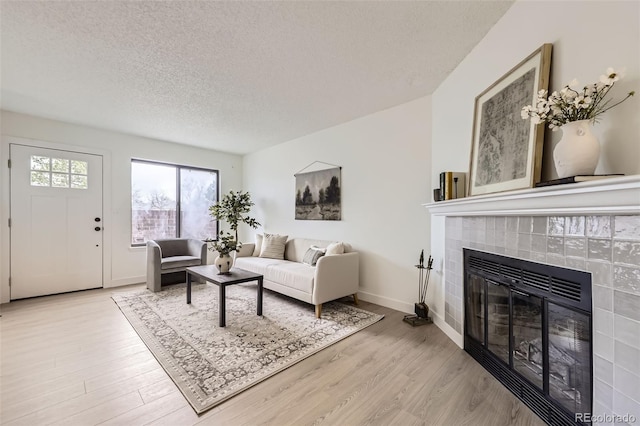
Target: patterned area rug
{"x": 211, "y": 364}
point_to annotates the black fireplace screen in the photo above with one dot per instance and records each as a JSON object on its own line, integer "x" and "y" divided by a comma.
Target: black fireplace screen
{"x": 529, "y": 324}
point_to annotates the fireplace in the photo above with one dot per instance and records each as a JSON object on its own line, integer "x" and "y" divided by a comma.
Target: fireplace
{"x": 529, "y": 324}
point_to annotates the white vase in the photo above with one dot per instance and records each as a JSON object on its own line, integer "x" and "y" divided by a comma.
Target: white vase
{"x": 224, "y": 263}
{"x": 578, "y": 151}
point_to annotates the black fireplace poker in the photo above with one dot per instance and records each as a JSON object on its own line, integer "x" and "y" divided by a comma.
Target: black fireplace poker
{"x": 421, "y": 309}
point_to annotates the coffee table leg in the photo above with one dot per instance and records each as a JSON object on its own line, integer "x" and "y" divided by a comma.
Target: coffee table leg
{"x": 260, "y": 297}
{"x": 222, "y": 306}
{"x": 188, "y": 288}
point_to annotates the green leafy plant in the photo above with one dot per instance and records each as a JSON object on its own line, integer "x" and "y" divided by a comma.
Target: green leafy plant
{"x": 225, "y": 244}
{"x": 233, "y": 209}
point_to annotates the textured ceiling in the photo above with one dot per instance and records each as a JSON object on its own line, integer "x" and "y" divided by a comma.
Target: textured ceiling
{"x": 230, "y": 76}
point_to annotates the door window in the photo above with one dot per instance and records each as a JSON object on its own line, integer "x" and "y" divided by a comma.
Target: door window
{"x": 59, "y": 172}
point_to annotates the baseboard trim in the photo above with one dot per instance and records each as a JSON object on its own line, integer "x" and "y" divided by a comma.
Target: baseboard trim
{"x": 448, "y": 330}
{"x": 387, "y": 302}
{"x": 126, "y": 281}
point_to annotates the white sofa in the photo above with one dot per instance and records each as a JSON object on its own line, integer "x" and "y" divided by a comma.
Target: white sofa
{"x": 333, "y": 277}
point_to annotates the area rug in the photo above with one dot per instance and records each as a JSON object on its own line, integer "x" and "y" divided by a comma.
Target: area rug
{"x": 210, "y": 364}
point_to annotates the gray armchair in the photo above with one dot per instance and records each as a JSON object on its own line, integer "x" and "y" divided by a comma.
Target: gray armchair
{"x": 169, "y": 256}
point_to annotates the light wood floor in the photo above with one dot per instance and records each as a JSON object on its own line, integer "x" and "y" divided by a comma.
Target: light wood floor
{"x": 74, "y": 360}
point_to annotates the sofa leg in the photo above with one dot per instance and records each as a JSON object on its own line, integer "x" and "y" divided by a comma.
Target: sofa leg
{"x": 318, "y": 310}
{"x": 355, "y": 298}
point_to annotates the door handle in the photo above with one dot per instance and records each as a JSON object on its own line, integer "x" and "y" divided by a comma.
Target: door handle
{"x": 97, "y": 219}
{"x": 97, "y": 228}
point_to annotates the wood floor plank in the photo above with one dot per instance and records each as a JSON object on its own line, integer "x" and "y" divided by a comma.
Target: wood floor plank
{"x": 104, "y": 411}
{"x": 149, "y": 411}
{"x": 91, "y": 377}
{"x": 89, "y": 400}
{"x": 39, "y": 401}
{"x": 158, "y": 390}
{"x": 181, "y": 416}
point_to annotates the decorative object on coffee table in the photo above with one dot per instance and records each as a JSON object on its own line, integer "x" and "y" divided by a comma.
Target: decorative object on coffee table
{"x": 224, "y": 245}
{"x": 421, "y": 309}
{"x": 506, "y": 153}
{"x": 575, "y": 111}
{"x": 233, "y": 209}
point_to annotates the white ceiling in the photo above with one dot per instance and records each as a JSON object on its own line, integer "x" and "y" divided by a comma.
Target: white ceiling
{"x": 230, "y": 76}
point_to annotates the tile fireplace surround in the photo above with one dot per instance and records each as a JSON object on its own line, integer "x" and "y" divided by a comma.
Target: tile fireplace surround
{"x": 591, "y": 226}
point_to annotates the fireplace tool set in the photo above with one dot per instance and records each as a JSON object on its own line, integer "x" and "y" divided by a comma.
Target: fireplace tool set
{"x": 421, "y": 309}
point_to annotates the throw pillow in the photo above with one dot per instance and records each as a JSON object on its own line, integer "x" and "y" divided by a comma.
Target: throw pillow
{"x": 335, "y": 248}
{"x": 273, "y": 246}
{"x": 312, "y": 255}
{"x": 258, "y": 247}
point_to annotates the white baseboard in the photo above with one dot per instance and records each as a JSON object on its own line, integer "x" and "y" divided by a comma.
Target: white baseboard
{"x": 448, "y": 330}
{"x": 387, "y": 302}
{"x": 401, "y": 306}
{"x": 126, "y": 281}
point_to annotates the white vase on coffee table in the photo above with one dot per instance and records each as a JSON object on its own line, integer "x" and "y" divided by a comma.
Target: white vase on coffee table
{"x": 223, "y": 262}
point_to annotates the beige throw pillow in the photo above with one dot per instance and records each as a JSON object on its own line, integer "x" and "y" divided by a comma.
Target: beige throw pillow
{"x": 335, "y": 248}
{"x": 273, "y": 246}
{"x": 258, "y": 247}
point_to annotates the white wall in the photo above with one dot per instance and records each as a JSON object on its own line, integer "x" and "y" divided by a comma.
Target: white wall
{"x": 385, "y": 178}
{"x": 587, "y": 38}
{"x": 123, "y": 264}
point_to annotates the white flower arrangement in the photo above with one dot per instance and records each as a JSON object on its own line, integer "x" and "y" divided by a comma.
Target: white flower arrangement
{"x": 571, "y": 104}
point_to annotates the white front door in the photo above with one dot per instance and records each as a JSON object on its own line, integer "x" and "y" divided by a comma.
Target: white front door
{"x": 56, "y": 221}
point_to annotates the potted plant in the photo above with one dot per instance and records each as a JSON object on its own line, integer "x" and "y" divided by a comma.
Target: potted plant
{"x": 574, "y": 111}
{"x": 224, "y": 245}
{"x": 233, "y": 209}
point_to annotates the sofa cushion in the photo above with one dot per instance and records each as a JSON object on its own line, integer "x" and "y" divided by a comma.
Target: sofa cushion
{"x": 312, "y": 255}
{"x": 170, "y": 247}
{"x": 292, "y": 274}
{"x": 179, "y": 262}
{"x": 258, "y": 265}
{"x": 335, "y": 248}
{"x": 258, "y": 246}
{"x": 273, "y": 246}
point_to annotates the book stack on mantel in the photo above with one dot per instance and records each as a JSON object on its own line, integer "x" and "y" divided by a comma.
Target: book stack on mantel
{"x": 452, "y": 185}
{"x": 575, "y": 179}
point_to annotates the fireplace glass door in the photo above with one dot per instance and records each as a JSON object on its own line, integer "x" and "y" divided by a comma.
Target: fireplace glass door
{"x": 529, "y": 324}
{"x": 569, "y": 358}
{"x": 475, "y": 308}
{"x": 528, "y": 352}
{"x": 498, "y": 320}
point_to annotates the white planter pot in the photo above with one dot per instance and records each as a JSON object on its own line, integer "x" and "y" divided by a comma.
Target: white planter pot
{"x": 223, "y": 263}
{"x": 578, "y": 151}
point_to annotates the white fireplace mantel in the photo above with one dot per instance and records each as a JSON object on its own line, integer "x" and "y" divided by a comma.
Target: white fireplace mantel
{"x": 620, "y": 195}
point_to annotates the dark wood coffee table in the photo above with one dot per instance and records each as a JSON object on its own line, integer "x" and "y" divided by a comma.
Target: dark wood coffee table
{"x": 236, "y": 276}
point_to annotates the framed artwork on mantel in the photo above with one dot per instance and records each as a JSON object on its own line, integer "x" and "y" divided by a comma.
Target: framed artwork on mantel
{"x": 506, "y": 151}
